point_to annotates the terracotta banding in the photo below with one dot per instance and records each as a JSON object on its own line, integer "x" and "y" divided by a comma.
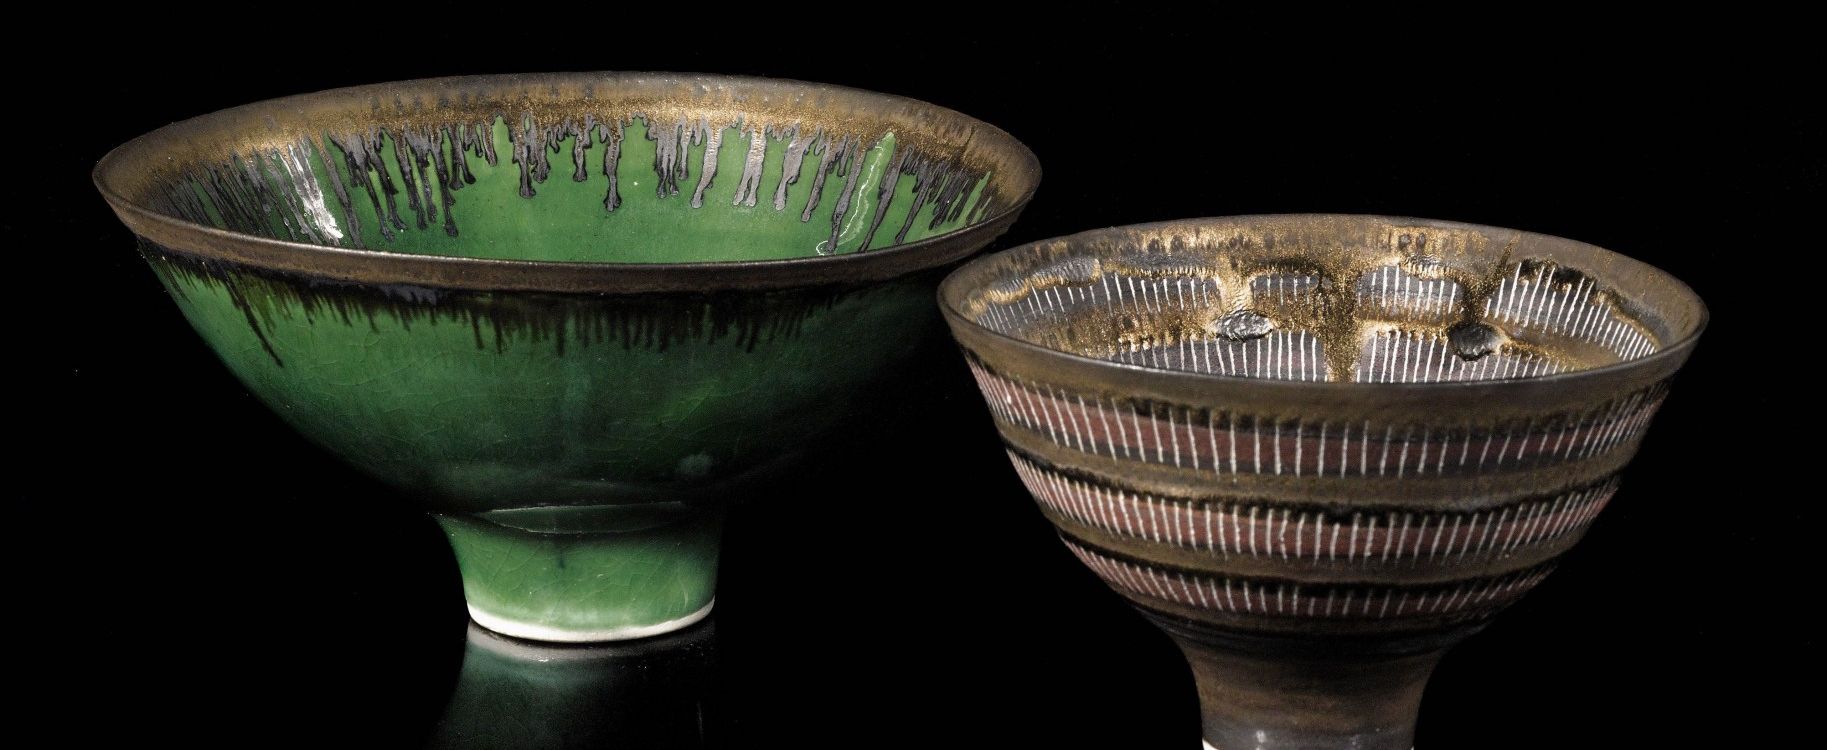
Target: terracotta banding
{"x": 1226, "y": 443}
{"x": 1311, "y": 534}
{"x": 1201, "y": 494}
{"x": 1268, "y": 530}
{"x": 1204, "y": 590}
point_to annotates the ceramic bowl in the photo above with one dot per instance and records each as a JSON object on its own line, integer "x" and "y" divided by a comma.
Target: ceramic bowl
{"x": 572, "y": 314}
{"x": 1318, "y": 450}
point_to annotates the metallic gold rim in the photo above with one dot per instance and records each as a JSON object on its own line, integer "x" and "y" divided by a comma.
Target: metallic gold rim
{"x": 1161, "y": 382}
{"x": 116, "y": 173}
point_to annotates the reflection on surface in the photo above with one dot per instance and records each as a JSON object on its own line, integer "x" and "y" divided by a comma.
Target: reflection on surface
{"x": 649, "y": 693}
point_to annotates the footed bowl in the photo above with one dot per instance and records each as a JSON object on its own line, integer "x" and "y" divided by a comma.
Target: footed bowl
{"x": 572, "y": 314}
{"x": 1319, "y": 450}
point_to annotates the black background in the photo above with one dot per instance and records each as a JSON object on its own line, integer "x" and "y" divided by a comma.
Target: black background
{"x": 204, "y": 573}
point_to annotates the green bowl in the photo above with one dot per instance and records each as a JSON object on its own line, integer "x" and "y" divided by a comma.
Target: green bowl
{"x": 573, "y": 314}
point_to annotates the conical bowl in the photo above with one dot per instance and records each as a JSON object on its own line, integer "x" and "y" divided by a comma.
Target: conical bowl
{"x": 1319, "y": 450}
{"x": 573, "y": 315}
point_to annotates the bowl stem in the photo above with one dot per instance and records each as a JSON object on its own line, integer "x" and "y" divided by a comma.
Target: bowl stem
{"x": 1271, "y": 699}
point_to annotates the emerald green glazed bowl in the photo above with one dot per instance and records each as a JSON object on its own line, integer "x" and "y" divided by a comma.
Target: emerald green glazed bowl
{"x": 573, "y": 314}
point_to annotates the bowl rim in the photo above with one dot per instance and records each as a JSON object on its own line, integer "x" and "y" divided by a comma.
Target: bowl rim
{"x": 951, "y": 291}
{"x": 381, "y": 267}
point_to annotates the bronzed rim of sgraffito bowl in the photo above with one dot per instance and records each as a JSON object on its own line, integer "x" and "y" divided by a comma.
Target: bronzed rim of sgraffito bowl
{"x": 1023, "y": 357}
{"x": 115, "y": 176}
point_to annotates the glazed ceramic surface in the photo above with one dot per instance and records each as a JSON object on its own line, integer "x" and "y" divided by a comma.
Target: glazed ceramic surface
{"x": 572, "y": 313}
{"x": 1319, "y": 449}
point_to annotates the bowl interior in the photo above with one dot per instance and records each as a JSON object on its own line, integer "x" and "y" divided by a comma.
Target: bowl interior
{"x": 1330, "y": 298}
{"x": 585, "y": 167}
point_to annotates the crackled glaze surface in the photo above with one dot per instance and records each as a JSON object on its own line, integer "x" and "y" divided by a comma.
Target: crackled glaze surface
{"x": 1289, "y": 429}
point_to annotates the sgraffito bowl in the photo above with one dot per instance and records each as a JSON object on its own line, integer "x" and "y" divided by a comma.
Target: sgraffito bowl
{"x": 573, "y": 314}
{"x": 1319, "y": 450}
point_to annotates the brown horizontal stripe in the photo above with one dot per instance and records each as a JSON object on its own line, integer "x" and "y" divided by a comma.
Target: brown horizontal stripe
{"x": 1282, "y": 598}
{"x": 1269, "y": 530}
{"x": 1225, "y": 443}
{"x": 1297, "y": 502}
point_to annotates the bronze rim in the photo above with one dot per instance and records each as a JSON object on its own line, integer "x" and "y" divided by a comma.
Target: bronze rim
{"x": 125, "y": 173}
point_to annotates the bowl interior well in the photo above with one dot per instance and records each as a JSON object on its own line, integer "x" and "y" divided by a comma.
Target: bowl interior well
{"x": 1342, "y": 299}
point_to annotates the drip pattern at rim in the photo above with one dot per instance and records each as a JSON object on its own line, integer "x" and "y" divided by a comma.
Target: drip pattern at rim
{"x": 127, "y": 176}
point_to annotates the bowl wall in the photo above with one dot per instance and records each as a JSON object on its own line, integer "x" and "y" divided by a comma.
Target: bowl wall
{"x": 572, "y": 289}
{"x": 1306, "y": 493}
{"x": 489, "y": 401}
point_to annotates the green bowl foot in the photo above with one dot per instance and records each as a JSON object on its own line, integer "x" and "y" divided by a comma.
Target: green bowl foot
{"x": 583, "y": 575}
